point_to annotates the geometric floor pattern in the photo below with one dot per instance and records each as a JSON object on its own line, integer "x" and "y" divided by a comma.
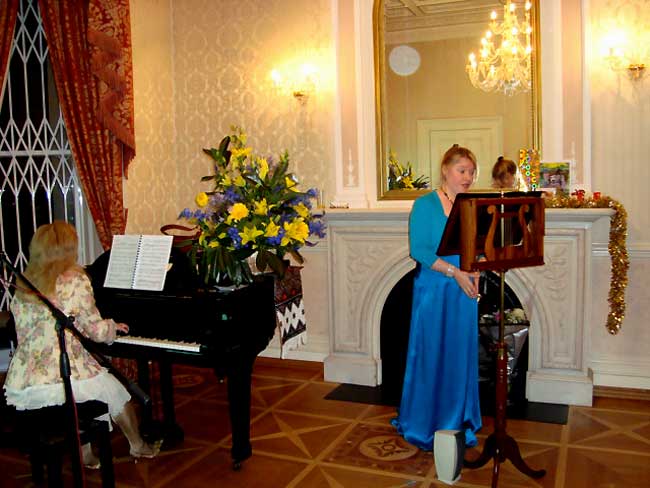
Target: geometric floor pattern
{"x": 302, "y": 440}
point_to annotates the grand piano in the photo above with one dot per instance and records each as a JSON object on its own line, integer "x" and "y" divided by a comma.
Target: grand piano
{"x": 191, "y": 324}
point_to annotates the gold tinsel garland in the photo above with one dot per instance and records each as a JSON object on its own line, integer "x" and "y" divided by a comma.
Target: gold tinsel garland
{"x": 617, "y": 250}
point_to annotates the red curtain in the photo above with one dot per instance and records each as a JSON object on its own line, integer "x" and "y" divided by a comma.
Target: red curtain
{"x": 8, "y": 11}
{"x": 90, "y": 50}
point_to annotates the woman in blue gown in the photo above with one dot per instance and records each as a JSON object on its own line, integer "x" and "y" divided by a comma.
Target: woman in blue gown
{"x": 441, "y": 380}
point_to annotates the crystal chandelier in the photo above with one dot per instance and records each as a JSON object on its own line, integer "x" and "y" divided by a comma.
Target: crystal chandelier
{"x": 505, "y": 53}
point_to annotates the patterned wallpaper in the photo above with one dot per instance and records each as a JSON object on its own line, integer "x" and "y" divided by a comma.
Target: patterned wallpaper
{"x": 201, "y": 66}
{"x": 150, "y": 191}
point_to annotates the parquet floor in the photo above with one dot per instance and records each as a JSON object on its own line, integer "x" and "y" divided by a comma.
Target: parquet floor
{"x": 301, "y": 440}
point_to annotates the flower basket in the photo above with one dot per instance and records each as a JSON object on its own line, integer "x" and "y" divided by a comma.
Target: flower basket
{"x": 255, "y": 206}
{"x": 183, "y": 237}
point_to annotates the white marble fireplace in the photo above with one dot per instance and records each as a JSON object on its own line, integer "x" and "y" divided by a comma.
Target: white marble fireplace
{"x": 368, "y": 255}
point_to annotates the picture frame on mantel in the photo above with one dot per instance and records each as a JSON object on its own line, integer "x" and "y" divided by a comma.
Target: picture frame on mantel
{"x": 555, "y": 175}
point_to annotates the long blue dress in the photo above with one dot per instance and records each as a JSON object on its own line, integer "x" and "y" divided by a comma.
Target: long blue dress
{"x": 441, "y": 380}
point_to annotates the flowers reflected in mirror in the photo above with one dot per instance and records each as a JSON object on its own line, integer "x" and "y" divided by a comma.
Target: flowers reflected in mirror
{"x": 401, "y": 177}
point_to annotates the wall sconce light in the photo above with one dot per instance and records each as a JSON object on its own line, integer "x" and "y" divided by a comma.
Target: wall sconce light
{"x": 300, "y": 82}
{"x": 621, "y": 54}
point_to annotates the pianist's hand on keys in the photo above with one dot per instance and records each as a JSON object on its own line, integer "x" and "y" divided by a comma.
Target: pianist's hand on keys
{"x": 123, "y": 328}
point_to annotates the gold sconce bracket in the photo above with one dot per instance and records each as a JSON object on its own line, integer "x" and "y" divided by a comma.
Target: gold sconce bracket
{"x": 636, "y": 70}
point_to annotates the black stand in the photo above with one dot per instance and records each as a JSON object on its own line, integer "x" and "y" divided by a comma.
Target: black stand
{"x": 63, "y": 323}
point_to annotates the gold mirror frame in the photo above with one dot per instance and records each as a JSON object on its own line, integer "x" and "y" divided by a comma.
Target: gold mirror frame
{"x": 380, "y": 100}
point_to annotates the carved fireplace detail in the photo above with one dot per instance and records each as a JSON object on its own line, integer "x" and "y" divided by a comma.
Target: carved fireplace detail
{"x": 368, "y": 255}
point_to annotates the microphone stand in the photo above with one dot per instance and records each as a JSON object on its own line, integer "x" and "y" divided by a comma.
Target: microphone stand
{"x": 63, "y": 323}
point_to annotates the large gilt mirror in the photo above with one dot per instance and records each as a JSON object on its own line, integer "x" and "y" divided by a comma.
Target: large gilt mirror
{"x": 425, "y": 101}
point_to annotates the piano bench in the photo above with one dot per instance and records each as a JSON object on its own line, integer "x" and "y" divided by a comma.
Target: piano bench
{"x": 44, "y": 435}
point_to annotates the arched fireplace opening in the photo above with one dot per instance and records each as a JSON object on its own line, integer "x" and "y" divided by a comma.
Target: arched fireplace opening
{"x": 394, "y": 333}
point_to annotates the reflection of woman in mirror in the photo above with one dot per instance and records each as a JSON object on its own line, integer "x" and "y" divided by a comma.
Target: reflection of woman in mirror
{"x": 441, "y": 380}
{"x": 504, "y": 174}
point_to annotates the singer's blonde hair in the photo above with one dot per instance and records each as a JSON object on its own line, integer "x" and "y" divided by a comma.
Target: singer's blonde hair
{"x": 52, "y": 251}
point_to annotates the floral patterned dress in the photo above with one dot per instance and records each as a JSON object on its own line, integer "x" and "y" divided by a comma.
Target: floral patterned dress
{"x": 33, "y": 380}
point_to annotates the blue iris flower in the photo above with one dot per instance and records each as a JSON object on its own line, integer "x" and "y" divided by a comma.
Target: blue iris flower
{"x": 276, "y": 240}
{"x": 231, "y": 195}
{"x": 304, "y": 199}
{"x": 233, "y": 233}
{"x": 316, "y": 227}
{"x": 200, "y": 215}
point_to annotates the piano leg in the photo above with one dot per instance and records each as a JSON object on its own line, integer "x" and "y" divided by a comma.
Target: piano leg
{"x": 146, "y": 417}
{"x": 173, "y": 433}
{"x": 239, "y": 403}
{"x": 153, "y": 429}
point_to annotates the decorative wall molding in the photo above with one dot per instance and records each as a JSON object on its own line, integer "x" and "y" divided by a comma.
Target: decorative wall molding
{"x": 622, "y": 374}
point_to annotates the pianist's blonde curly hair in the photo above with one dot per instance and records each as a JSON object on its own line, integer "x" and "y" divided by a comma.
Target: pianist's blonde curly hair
{"x": 52, "y": 251}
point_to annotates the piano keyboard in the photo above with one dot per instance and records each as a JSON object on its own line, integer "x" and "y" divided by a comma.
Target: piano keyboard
{"x": 159, "y": 343}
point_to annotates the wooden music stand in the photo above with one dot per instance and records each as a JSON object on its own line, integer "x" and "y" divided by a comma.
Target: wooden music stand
{"x": 497, "y": 231}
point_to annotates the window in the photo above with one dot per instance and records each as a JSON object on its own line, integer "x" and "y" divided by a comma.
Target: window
{"x": 38, "y": 181}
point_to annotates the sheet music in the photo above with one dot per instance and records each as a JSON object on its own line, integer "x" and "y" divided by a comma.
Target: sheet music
{"x": 121, "y": 266}
{"x": 138, "y": 262}
{"x": 151, "y": 268}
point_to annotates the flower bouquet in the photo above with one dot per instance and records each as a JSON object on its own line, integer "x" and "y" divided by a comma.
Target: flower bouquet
{"x": 254, "y": 208}
{"x": 401, "y": 178}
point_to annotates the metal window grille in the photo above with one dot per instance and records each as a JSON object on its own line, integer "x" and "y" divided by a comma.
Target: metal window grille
{"x": 38, "y": 183}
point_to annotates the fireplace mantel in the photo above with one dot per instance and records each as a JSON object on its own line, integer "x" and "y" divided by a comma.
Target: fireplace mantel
{"x": 368, "y": 255}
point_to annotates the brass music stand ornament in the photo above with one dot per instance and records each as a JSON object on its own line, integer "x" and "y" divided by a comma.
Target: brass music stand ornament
{"x": 497, "y": 231}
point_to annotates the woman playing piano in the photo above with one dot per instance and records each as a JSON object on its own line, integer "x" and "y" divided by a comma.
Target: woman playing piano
{"x": 33, "y": 379}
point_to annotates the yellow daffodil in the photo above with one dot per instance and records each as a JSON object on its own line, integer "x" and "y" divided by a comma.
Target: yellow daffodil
{"x": 272, "y": 229}
{"x": 302, "y": 210}
{"x": 226, "y": 181}
{"x": 238, "y": 153}
{"x": 237, "y": 212}
{"x": 213, "y": 244}
{"x": 240, "y": 181}
{"x": 261, "y": 208}
{"x": 296, "y": 230}
{"x": 202, "y": 199}
{"x": 249, "y": 234}
{"x": 299, "y": 230}
{"x": 289, "y": 182}
{"x": 263, "y": 167}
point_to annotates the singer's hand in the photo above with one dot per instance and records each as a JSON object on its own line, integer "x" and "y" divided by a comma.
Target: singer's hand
{"x": 468, "y": 282}
{"x": 123, "y": 328}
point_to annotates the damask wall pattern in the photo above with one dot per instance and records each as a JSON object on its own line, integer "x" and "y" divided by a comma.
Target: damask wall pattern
{"x": 151, "y": 188}
{"x": 223, "y": 54}
{"x": 201, "y": 66}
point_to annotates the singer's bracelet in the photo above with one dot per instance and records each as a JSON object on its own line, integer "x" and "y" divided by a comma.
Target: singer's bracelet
{"x": 450, "y": 271}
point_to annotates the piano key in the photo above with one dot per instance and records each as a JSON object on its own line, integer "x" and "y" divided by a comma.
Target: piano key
{"x": 159, "y": 343}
